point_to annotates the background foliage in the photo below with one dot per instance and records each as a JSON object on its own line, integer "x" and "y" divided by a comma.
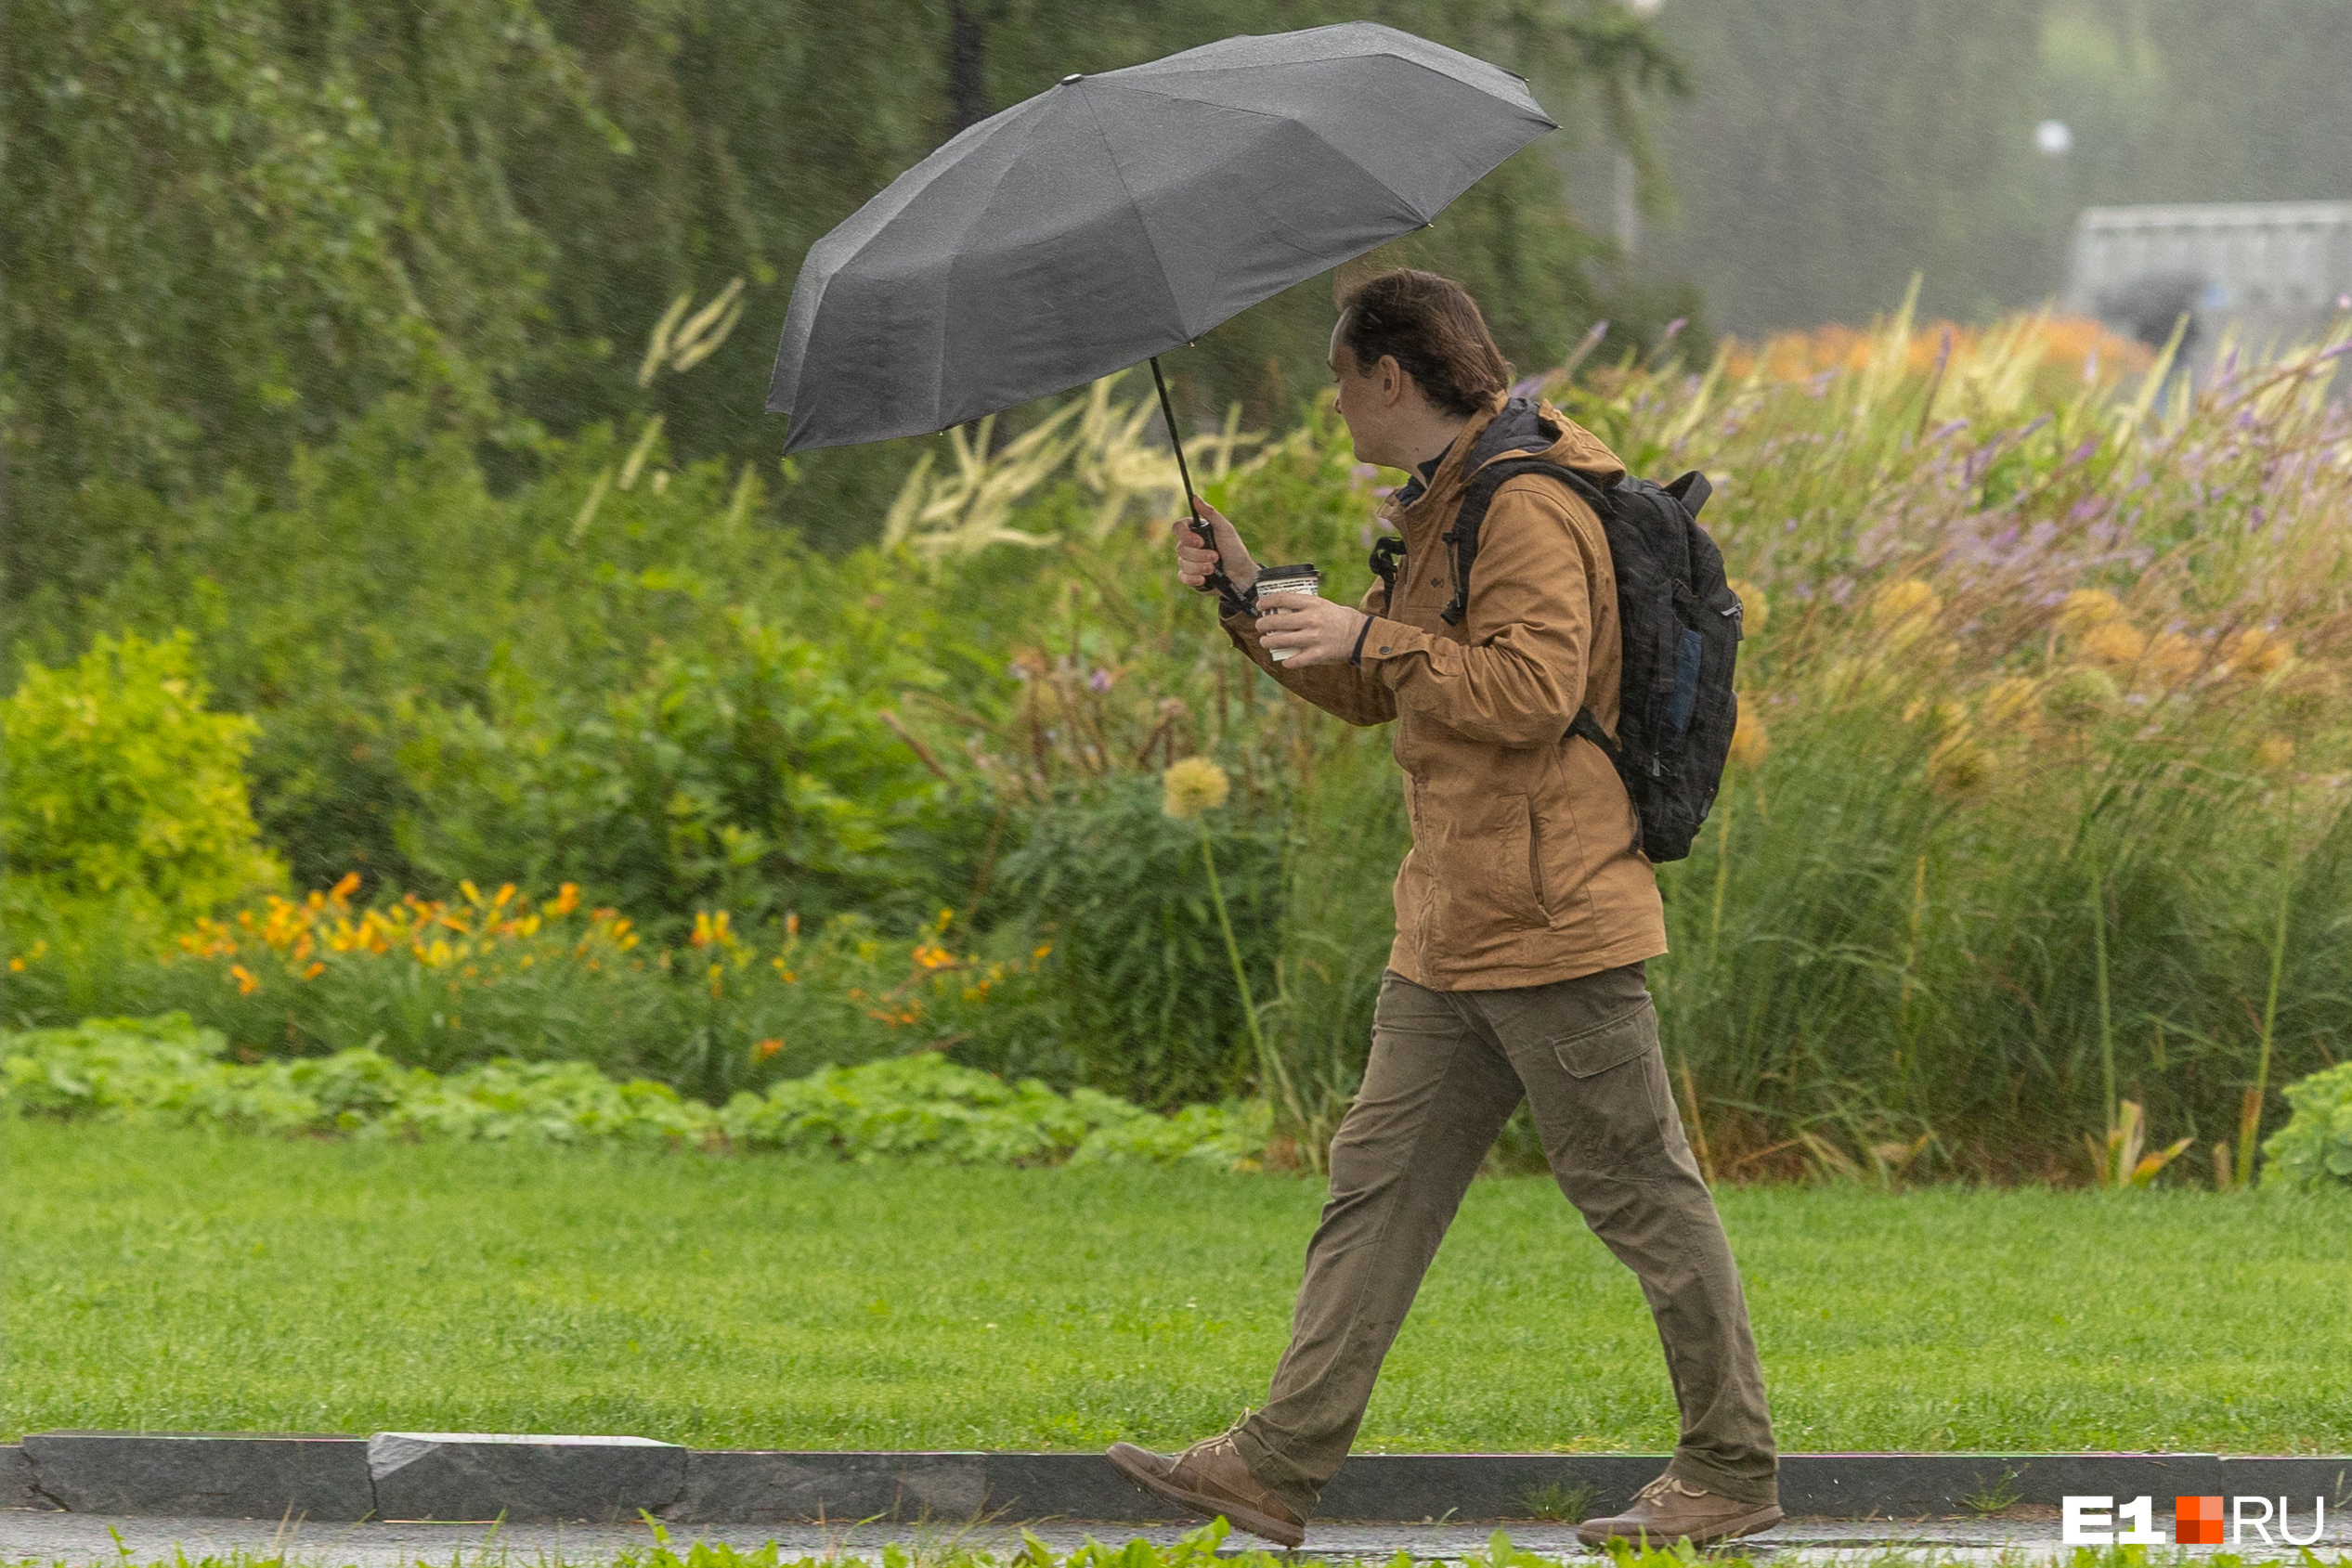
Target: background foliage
{"x": 288, "y": 210}
{"x": 2040, "y": 810}
{"x": 335, "y": 482}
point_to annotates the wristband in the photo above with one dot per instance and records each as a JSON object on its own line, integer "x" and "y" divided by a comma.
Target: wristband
{"x": 1357, "y": 657}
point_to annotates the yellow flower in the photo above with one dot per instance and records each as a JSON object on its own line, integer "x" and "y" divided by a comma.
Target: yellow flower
{"x": 2008, "y": 701}
{"x": 768, "y": 1047}
{"x": 2114, "y": 643}
{"x": 2174, "y": 658}
{"x": 2256, "y": 651}
{"x": 1193, "y": 786}
{"x": 2274, "y": 752}
{"x": 1753, "y": 609}
{"x": 1901, "y": 602}
{"x": 2085, "y": 608}
{"x": 246, "y": 984}
{"x": 1749, "y": 741}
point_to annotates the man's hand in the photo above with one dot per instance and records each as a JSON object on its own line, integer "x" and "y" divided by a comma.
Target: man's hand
{"x": 1315, "y": 631}
{"x": 1194, "y": 559}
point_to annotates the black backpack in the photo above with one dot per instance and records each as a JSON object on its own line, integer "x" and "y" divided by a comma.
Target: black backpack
{"x": 1680, "y": 624}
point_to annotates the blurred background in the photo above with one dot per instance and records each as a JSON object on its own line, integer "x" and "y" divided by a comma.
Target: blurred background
{"x": 395, "y": 554}
{"x": 232, "y": 226}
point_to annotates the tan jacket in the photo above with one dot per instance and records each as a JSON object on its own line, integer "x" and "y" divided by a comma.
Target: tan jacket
{"x": 1524, "y": 867}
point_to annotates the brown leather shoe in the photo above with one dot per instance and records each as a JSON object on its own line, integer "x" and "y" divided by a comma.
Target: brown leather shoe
{"x": 1669, "y": 1508}
{"x": 1210, "y": 1479}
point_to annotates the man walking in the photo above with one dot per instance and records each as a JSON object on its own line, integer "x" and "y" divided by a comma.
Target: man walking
{"x": 1525, "y": 913}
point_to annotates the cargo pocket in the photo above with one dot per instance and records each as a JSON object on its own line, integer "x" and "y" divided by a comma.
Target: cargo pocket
{"x": 1622, "y": 1121}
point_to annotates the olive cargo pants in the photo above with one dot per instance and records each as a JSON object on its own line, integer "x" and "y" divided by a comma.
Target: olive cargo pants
{"x": 1447, "y": 1070}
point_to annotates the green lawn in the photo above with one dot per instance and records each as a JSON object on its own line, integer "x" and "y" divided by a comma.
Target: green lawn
{"x": 180, "y": 1280}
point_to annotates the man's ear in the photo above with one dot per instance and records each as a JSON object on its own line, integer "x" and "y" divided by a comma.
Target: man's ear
{"x": 1392, "y": 380}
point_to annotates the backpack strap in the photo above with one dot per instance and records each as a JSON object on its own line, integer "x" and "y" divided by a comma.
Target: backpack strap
{"x": 1387, "y": 551}
{"x": 1464, "y": 534}
{"x": 1589, "y": 725}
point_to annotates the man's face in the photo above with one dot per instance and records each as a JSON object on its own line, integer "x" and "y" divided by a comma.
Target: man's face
{"x": 1360, "y": 403}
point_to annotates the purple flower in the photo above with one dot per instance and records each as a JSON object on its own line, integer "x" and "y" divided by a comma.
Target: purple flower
{"x": 1100, "y": 681}
{"x": 1950, "y": 427}
{"x": 1526, "y": 386}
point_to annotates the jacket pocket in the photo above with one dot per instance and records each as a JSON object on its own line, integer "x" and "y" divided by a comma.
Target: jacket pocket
{"x": 1485, "y": 871}
{"x": 1535, "y": 864}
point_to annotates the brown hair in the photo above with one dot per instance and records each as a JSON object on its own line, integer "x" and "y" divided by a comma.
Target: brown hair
{"x": 1432, "y": 328}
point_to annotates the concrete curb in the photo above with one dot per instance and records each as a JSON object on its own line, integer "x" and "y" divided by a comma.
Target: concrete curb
{"x": 466, "y": 1477}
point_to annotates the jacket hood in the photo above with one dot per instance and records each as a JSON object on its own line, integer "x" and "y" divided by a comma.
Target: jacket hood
{"x": 1510, "y": 427}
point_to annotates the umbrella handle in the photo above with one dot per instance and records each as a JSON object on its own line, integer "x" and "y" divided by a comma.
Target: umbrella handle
{"x": 1217, "y": 583}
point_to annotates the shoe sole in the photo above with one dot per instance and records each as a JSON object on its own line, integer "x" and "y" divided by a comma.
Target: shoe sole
{"x": 1740, "y": 1525}
{"x": 1241, "y": 1515}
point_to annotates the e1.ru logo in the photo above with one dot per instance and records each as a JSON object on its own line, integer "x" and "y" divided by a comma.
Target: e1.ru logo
{"x": 2087, "y": 1522}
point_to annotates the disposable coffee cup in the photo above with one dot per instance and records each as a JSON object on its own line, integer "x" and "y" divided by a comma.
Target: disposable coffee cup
{"x": 1282, "y": 585}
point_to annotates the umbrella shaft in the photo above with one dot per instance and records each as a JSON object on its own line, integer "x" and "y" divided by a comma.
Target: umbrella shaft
{"x": 1218, "y": 582}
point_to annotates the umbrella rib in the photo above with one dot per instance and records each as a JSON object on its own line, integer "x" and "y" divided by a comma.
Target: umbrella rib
{"x": 1167, "y": 285}
{"x": 1338, "y": 152}
{"x": 979, "y": 215}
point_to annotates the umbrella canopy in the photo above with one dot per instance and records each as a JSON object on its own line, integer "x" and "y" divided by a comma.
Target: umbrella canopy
{"x": 1117, "y": 215}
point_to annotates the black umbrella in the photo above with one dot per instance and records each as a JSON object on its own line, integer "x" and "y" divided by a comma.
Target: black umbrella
{"x": 1117, "y": 215}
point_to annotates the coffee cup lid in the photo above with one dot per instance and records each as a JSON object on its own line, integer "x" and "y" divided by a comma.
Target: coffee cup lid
{"x": 1306, "y": 572}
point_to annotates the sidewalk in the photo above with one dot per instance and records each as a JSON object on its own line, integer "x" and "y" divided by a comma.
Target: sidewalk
{"x": 89, "y": 1540}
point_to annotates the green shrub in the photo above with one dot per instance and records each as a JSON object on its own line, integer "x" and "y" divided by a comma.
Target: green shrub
{"x": 122, "y": 785}
{"x": 106, "y": 1065}
{"x": 750, "y": 772}
{"x": 1139, "y": 989}
{"x": 924, "y": 1105}
{"x": 2314, "y": 1149}
{"x": 448, "y": 984}
{"x": 168, "y": 1070}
